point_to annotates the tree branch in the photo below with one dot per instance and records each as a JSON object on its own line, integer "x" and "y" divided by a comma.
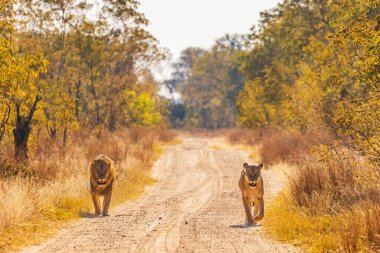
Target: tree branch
{"x": 33, "y": 109}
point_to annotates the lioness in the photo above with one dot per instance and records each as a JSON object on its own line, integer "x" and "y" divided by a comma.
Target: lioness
{"x": 101, "y": 181}
{"x": 252, "y": 190}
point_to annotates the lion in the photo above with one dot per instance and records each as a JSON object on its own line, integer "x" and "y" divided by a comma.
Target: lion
{"x": 101, "y": 182}
{"x": 252, "y": 190}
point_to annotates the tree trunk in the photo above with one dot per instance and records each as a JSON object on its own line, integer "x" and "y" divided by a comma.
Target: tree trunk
{"x": 77, "y": 98}
{"x": 22, "y": 131}
{"x": 21, "y": 136}
{"x": 52, "y": 132}
{"x": 97, "y": 107}
{"x": 64, "y": 137}
{"x": 112, "y": 121}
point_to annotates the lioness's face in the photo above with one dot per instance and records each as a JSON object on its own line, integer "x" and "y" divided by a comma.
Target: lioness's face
{"x": 101, "y": 170}
{"x": 252, "y": 173}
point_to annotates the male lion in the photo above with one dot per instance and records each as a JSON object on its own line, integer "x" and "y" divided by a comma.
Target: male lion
{"x": 252, "y": 190}
{"x": 101, "y": 181}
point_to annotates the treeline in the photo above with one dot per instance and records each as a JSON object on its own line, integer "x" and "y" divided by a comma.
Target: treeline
{"x": 309, "y": 65}
{"x": 209, "y": 82}
{"x": 68, "y": 64}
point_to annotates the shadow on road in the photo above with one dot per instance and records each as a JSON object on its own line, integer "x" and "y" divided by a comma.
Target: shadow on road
{"x": 245, "y": 226}
{"x": 88, "y": 215}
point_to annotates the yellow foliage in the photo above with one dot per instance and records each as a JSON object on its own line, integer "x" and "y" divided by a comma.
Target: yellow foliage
{"x": 141, "y": 110}
{"x": 253, "y": 109}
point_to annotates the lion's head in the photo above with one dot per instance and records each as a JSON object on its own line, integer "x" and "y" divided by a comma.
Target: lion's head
{"x": 252, "y": 173}
{"x": 101, "y": 170}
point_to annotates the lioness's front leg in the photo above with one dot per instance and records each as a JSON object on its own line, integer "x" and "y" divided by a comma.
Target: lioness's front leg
{"x": 248, "y": 210}
{"x": 95, "y": 199}
{"x": 255, "y": 208}
{"x": 260, "y": 216}
{"x": 106, "y": 203}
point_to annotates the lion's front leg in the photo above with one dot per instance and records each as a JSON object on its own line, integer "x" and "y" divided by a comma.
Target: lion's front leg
{"x": 95, "y": 199}
{"x": 248, "y": 210}
{"x": 106, "y": 203}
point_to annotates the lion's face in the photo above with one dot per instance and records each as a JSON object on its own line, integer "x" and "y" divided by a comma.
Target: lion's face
{"x": 252, "y": 173}
{"x": 101, "y": 171}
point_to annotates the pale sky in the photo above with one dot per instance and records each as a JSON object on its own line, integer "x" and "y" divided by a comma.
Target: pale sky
{"x": 179, "y": 24}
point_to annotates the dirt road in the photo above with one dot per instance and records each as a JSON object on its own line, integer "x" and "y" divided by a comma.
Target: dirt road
{"x": 195, "y": 207}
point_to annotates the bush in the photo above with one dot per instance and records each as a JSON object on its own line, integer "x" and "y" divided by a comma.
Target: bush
{"x": 245, "y": 136}
{"x": 290, "y": 147}
{"x": 9, "y": 168}
{"x": 332, "y": 180}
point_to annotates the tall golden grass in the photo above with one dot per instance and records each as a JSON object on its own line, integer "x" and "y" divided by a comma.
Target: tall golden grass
{"x": 54, "y": 185}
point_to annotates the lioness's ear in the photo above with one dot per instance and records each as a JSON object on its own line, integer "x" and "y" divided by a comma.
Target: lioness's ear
{"x": 260, "y": 166}
{"x": 245, "y": 165}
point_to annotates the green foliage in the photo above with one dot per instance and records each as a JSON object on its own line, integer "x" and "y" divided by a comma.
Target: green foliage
{"x": 93, "y": 58}
{"x": 285, "y": 83}
{"x": 209, "y": 82}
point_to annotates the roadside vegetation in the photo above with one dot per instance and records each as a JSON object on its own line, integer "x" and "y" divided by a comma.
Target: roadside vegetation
{"x": 331, "y": 202}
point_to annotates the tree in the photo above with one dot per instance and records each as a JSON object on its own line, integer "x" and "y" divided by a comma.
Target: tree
{"x": 253, "y": 110}
{"x": 209, "y": 81}
{"x": 93, "y": 58}
{"x": 18, "y": 86}
{"x": 357, "y": 56}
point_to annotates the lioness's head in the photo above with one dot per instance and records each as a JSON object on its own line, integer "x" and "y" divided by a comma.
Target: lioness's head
{"x": 252, "y": 173}
{"x": 101, "y": 169}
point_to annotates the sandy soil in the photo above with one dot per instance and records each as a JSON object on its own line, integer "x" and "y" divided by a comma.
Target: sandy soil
{"x": 195, "y": 207}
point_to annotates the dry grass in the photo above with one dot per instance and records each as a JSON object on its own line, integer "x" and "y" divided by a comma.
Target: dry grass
{"x": 247, "y": 137}
{"x": 332, "y": 180}
{"x": 54, "y": 187}
{"x": 233, "y": 135}
{"x": 354, "y": 230}
{"x": 332, "y": 204}
{"x": 290, "y": 147}
{"x": 275, "y": 145}
{"x": 244, "y": 139}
